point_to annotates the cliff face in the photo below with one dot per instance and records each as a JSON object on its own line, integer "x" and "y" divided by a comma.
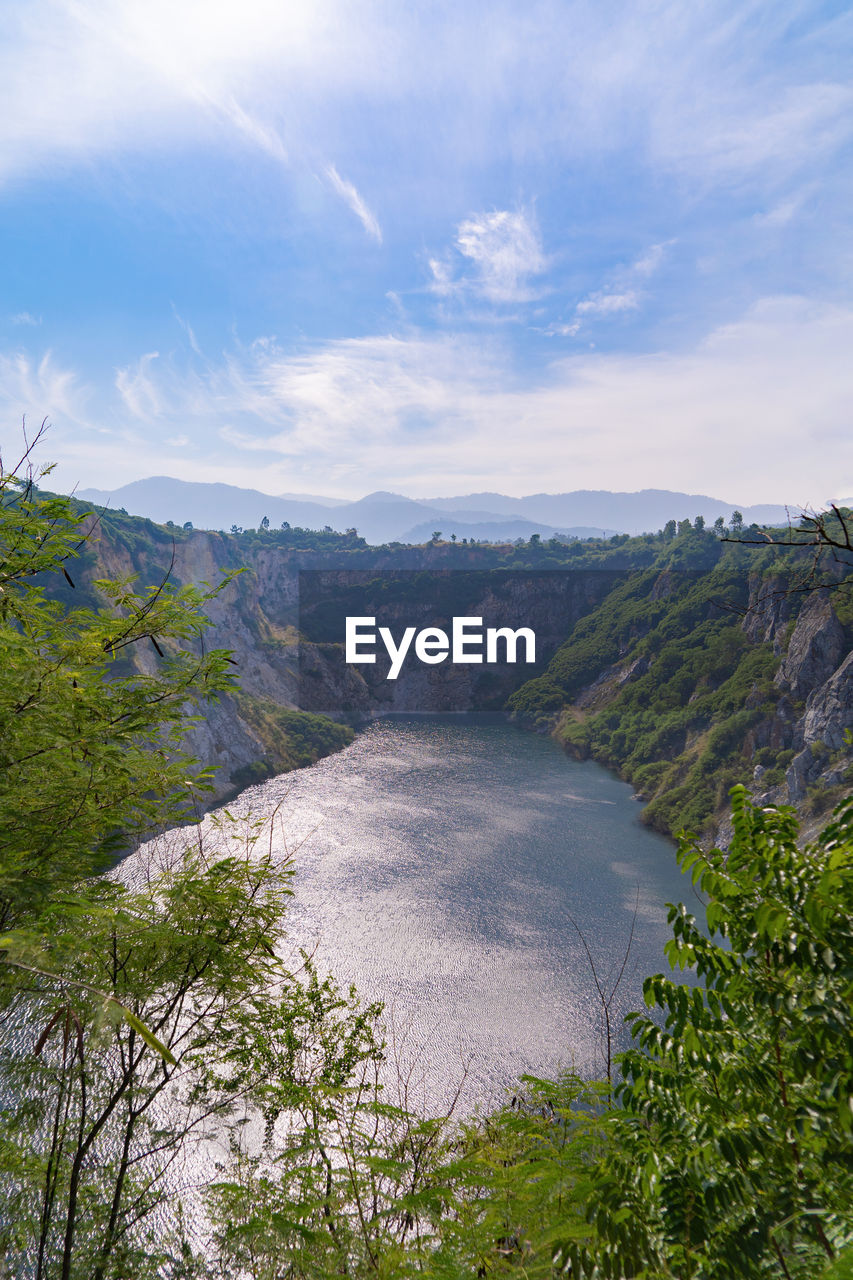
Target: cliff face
{"x": 690, "y": 684}
{"x": 289, "y": 664}
{"x": 253, "y": 617}
{"x": 815, "y": 678}
{"x": 548, "y": 603}
{"x": 686, "y": 683}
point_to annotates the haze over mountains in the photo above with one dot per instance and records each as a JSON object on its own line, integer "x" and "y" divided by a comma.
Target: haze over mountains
{"x": 390, "y": 517}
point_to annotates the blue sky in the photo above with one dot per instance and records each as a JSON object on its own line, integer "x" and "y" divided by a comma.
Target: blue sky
{"x": 431, "y": 247}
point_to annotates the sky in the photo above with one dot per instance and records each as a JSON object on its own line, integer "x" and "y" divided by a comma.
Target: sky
{"x": 427, "y": 247}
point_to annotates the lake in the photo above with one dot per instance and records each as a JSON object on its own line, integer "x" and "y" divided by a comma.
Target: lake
{"x": 443, "y": 864}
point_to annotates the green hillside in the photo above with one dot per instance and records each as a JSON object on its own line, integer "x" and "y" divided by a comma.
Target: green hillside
{"x": 671, "y": 682}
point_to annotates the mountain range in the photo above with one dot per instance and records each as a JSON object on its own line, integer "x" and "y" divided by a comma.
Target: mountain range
{"x": 391, "y": 517}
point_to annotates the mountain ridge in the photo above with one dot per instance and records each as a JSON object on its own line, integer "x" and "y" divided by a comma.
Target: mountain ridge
{"x": 383, "y": 516}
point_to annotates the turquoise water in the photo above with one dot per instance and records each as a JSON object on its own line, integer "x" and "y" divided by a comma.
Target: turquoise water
{"x": 441, "y": 861}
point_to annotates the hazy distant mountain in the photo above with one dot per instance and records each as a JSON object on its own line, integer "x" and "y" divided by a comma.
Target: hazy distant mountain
{"x": 642, "y": 512}
{"x": 314, "y": 497}
{"x": 379, "y": 517}
{"x": 208, "y": 506}
{"x": 392, "y": 517}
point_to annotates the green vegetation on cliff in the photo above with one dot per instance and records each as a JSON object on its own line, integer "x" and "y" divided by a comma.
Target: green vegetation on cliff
{"x": 668, "y": 682}
{"x": 293, "y": 738}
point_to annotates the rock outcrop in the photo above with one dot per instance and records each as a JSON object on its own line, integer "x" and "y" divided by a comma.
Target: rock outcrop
{"x": 814, "y": 715}
{"x": 814, "y": 650}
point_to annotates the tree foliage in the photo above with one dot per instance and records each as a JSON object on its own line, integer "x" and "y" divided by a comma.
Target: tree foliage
{"x": 735, "y": 1142}
{"x": 93, "y": 703}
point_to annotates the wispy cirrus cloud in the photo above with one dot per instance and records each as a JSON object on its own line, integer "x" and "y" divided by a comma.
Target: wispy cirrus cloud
{"x": 117, "y": 78}
{"x": 258, "y": 133}
{"x": 138, "y": 388}
{"x": 709, "y": 91}
{"x": 624, "y": 293}
{"x": 39, "y": 386}
{"x": 496, "y": 256}
{"x": 621, "y": 125}
{"x": 351, "y": 197}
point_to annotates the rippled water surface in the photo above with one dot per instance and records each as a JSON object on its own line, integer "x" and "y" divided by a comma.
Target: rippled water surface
{"x": 441, "y": 862}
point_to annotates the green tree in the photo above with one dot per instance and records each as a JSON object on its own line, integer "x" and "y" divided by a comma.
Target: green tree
{"x": 87, "y": 1154}
{"x": 342, "y": 1182}
{"x": 93, "y": 702}
{"x": 734, "y": 1148}
{"x": 90, "y": 747}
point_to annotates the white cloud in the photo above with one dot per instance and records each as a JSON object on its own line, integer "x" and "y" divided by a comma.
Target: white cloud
{"x": 758, "y": 411}
{"x": 649, "y": 262}
{"x": 557, "y": 330}
{"x": 783, "y": 213}
{"x": 795, "y": 125}
{"x": 623, "y": 294}
{"x": 608, "y": 304}
{"x": 86, "y": 79}
{"x": 38, "y": 388}
{"x": 24, "y": 317}
{"x": 396, "y": 303}
{"x": 138, "y": 389}
{"x": 350, "y": 197}
{"x": 504, "y": 249}
{"x": 442, "y": 281}
{"x": 349, "y": 398}
{"x": 188, "y": 330}
{"x": 261, "y": 135}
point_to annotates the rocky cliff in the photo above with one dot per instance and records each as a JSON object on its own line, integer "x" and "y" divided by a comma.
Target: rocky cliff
{"x": 684, "y": 679}
{"x": 297, "y": 698}
{"x": 548, "y": 603}
{"x": 243, "y": 735}
{"x": 814, "y": 714}
{"x": 688, "y": 683}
